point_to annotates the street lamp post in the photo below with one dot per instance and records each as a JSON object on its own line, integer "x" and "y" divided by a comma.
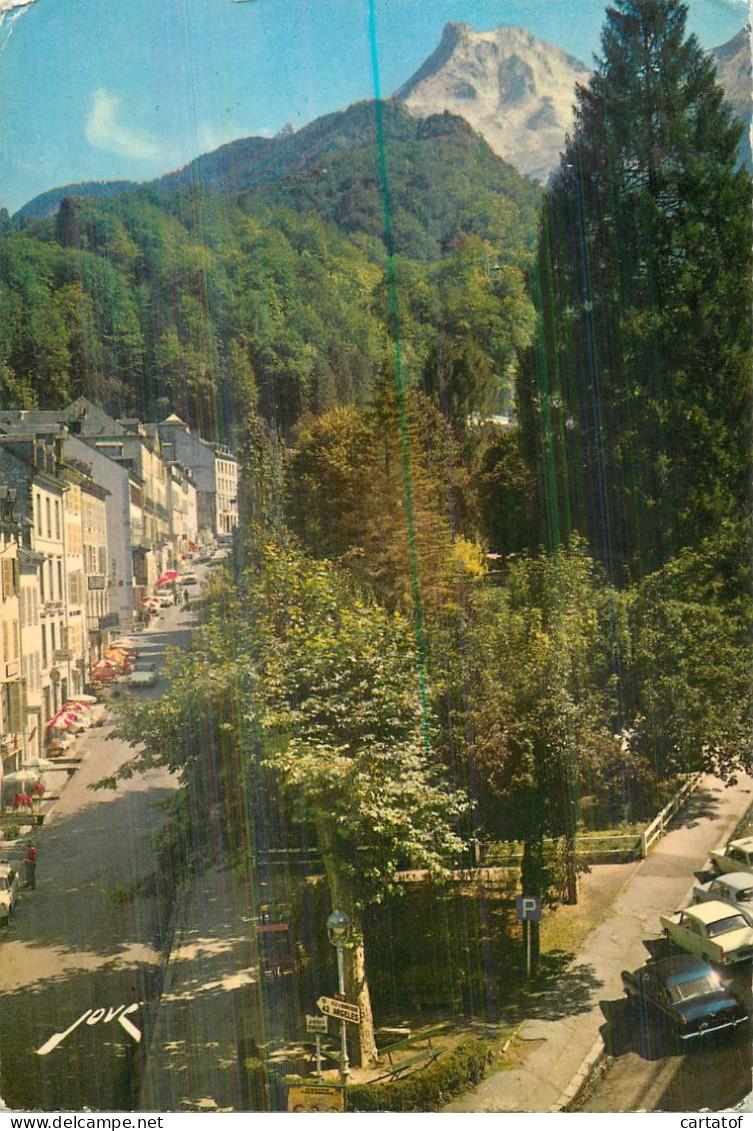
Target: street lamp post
{"x": 338, "y": 931}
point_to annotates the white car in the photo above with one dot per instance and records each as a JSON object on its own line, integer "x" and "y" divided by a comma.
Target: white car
{"x": 142, "y": 678}
{"x": 166, "y": 598}
{"x": 736, "y": 857}
{"x": 713, "y": 930}
{"x": 735, "y": 888}
{"x": 8, "y": 890}
{"x": 188, "y": 579}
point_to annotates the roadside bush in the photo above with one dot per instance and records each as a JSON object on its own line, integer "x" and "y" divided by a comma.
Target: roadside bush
{"x": 10, "y": 827}
{"x": 430, "y": 1088}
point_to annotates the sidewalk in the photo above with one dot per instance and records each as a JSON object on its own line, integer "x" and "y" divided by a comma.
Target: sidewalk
{"x": 209, "y": 1003}
{"x": 568, "y": 1046}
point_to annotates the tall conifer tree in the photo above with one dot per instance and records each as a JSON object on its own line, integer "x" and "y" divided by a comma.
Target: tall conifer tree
{"x": 635, "y": 398}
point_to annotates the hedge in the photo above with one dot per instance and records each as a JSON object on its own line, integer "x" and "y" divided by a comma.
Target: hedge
{"x": 427, "y": 1089}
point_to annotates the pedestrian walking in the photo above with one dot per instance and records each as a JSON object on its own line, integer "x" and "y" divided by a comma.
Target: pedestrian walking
{"x": 185, "y": 598}
{"x": 30, "y": 862}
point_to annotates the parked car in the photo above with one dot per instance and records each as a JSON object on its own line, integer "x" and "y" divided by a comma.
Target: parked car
{"x": 713, "y": 930}
{"x": 8, "y": 890}
{"x": 735, "y": 888}
{"x": 688, "y": 993}
{"x": 188, "y": 579}
{"x": 736, "y": 857}
{"x": 142, "y": 678}
{"x": 166, "y": 598}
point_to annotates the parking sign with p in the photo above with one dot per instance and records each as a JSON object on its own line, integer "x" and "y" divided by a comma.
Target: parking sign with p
{"x": 528, "y": 908}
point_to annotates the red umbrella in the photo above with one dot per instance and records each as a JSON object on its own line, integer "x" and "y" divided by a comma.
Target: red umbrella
{"x": 167, "y": 577}
{"x": 64, "y": 719}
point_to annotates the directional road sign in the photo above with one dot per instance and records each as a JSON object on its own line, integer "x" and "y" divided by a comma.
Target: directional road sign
{"x": 342, "y": 1010}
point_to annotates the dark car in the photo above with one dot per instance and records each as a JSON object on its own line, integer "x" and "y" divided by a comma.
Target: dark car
{"x": 688, "y": 992}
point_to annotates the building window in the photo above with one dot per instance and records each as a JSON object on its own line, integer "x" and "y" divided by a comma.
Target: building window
{"x": 57, "y": 520}
{"x": 48, "y": 507}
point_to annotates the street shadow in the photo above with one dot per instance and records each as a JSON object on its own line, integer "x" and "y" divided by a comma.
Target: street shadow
{"x": 702, "y": 803}
{"x": 715, "y": 1076}
{"x": 81, "y": 908}
{"x": 657, "y": 948}
{"x": 219, "y": 1012}
{"x": 96, "y": 1067}
{"x": 562, "y": 989}
{"x": 632, "y": 1027}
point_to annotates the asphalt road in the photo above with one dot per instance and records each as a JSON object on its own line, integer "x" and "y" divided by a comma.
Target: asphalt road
{"x": 85, "y": 947}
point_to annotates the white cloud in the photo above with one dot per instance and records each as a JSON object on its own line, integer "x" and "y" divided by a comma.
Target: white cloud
{"x": 104, "y": 131}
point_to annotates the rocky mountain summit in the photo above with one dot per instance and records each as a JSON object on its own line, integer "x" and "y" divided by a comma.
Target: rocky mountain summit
{"x": 515, "y": 89}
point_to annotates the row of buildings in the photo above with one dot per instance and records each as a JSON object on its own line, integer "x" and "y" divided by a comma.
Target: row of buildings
{"x": 93, "y": 510}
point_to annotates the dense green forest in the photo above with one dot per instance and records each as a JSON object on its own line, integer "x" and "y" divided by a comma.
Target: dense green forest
{"x": 193, "y": 298}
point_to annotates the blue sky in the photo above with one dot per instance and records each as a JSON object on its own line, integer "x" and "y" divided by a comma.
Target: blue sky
{"x": 110, "y": 89}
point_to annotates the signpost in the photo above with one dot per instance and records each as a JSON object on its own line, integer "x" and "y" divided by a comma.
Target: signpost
{"x": 317, "y": 1025}
{"x": 529, "y": 911}
{"x": 342, "y": 1010}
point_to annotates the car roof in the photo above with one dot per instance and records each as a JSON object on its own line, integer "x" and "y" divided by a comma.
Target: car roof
{"x": 680, "y": 968}
{"x": 735, "y": 881}
{"x": 709, "y": 911}
{"x": 745, "y": 843}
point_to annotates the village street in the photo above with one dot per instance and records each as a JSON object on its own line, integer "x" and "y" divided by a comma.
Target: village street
{"x": 89, "y": 939}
